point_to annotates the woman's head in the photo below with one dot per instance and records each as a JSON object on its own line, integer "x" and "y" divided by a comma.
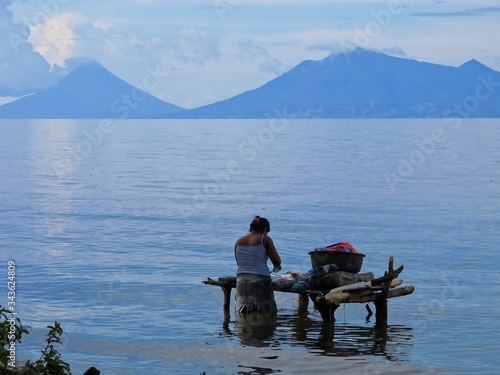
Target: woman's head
{"x": 260, "y": 224}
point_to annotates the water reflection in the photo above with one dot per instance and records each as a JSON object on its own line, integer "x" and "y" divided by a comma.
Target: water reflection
{"x": 255, "y": 329}
{"x": 300, "y": 328}
{"x": 256, "y": 370}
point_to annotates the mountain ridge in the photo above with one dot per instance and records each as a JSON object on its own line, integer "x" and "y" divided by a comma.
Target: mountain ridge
{"x": 360, "y": 84}
{"x": 89, "y": 91}
{"x": 356, "y": 84}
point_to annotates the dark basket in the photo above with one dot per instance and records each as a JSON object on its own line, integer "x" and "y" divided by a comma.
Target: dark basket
{"x": 349, "y": 262}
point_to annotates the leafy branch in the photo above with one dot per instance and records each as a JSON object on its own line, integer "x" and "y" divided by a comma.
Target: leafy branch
{"x": 49, "y": 363}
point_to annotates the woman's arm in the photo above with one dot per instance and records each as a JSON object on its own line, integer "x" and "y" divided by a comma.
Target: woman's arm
{"x": 236, "y": 256}
{"x": 272, "y": 252}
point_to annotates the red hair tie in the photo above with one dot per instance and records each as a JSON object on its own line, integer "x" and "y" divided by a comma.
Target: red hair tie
{"x": 257, "y": 219}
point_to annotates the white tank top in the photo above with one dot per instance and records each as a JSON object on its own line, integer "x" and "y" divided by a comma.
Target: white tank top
{"x": 252, "y": 259}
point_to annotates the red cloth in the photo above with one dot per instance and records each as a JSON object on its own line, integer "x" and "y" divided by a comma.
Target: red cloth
{"x": 344, "y": 247}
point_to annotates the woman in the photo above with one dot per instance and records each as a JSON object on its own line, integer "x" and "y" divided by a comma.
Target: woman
{"x": 254, "y": 292}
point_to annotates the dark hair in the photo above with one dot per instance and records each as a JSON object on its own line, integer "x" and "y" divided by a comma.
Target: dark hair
{"x": 259, "y": 224}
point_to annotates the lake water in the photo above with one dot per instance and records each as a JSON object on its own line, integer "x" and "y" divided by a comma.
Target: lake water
{"x": 113, "y": 226}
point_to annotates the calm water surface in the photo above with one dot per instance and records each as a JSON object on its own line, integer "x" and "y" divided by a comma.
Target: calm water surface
{"x": 114, "y": 226}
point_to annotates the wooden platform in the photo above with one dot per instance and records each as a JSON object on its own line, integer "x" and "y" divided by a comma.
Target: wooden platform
{"x": 336, "y": 288}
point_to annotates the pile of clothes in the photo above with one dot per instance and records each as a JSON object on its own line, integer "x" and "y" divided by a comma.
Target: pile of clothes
{"x": 344, "y": 247}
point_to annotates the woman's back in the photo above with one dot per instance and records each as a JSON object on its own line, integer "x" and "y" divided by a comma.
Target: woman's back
{"x": 251, "y": 256}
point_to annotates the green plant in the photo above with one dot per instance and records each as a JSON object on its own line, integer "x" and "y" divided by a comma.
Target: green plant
{"x": 49, "y": 363}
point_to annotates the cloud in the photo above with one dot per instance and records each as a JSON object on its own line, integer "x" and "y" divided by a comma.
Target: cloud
{"x": 249, "y": 50}
{"x": 394, "y": 51}
{"x": 338, "y": 48}
{"x": 67, "y": 35}
{"x": 22, "y": 69}
{"x": 461, "y": 13}
{"x": 193, "y": 46}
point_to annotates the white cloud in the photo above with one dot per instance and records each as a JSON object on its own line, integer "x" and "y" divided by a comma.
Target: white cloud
{"x": 67, "y": 35}
{"x": 192, "y": 85}
{"x": 70, "y": 35}
{"x": 22, "y": 70}
{"x": 252, "y": 51}
{"x": 194, "y": 46}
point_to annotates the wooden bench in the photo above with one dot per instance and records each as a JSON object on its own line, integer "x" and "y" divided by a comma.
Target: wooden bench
{"x": 336, "y": 288}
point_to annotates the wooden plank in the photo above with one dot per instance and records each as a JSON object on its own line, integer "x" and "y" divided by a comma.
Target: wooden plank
{"x": 341, "y": 278}
{"x": 368, "y": 295}
{"x": 351, "y": 287}
{"x": 327, "y": 282}
{"x": 395, "y": 283}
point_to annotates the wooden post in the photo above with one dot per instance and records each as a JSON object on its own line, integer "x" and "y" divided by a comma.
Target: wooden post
{"x": 381, "y": 310}
{"x": 303, "y": 299}
{"x": 227, "y": 298}
{"x": 381, "y": 301}
{"x": 327, "y": 332}
{"x": 326, "y": 309}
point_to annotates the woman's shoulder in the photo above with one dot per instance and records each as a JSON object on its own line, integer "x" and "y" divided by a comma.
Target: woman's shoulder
{"x": 268, "y": 240}
{"x": 244, "y": 241}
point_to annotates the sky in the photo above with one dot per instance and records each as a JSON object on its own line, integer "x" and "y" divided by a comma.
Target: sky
{"x": 203, "y": 51}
